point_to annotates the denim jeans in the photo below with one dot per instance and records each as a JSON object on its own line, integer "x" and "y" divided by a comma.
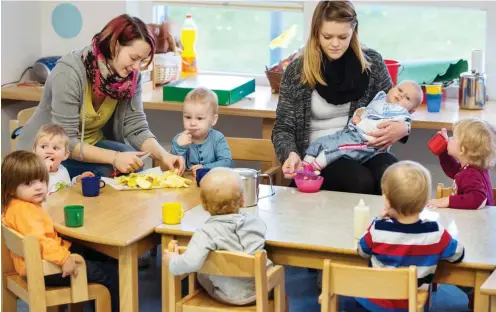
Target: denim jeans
{"x": 76, "y": 168}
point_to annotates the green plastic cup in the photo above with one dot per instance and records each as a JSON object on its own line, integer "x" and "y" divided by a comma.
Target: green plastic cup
{"x": 74, "y": 215}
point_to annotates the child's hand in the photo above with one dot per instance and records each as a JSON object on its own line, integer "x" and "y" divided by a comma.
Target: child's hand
{"x": 444, "y": 133}
{"x": 194, "y": 168}
{"x": 70, "y": 266}
{"x": 168, "y": 255}
{"x": 49, "y": 164}
{"x": 84, "y": 175}
{"x": 438, "y": 203}
{"x": 184, "y": 138}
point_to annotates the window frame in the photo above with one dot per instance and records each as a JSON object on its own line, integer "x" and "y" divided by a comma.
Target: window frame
{"x": 309, "y": 6}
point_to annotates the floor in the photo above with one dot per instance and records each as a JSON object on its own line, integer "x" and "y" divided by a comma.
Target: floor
{"x": 301, "y": 286}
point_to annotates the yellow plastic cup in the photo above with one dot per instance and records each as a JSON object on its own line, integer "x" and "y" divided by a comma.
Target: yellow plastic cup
{"x": 172, "y": 213}
{"x": 434, "y": 89}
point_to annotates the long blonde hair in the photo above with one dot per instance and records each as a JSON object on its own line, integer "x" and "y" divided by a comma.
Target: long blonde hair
{"x": 330, "y": 11}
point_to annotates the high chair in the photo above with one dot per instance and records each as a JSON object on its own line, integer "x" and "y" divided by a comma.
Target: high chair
{"x": 31, "y": 289}
{"x": 256, "y": 150}
{"x": 354, "y": 281}
{"x": 489, "y": 288}
{"x": 441, "y": 191}
{"x": 233, "y": 265}
{"x": 15, "y": 126}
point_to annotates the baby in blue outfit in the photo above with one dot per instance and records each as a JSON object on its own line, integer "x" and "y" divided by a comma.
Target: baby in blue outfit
{"x": 397, "y": 105}
{"x": 199, "y": 144}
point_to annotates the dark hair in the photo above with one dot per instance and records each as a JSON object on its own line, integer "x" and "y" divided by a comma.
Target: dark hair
{"x": 17, "y": 168}
{"x": 124, "y": 29}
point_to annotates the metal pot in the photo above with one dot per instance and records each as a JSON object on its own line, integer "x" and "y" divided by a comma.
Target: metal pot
{"x": 251, "y": 180}
{"x": 472, "y": 92}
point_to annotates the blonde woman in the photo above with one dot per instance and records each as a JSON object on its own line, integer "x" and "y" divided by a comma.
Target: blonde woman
{"x": 323, "y": 88}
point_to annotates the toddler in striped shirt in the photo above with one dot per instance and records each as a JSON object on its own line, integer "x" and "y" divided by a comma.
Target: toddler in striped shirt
{"x": 401, "y": 238}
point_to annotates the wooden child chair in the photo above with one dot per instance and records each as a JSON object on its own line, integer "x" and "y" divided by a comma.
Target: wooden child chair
{"x": 354, "y": 281}
{"x": 441, "y": 191}
{"x": 233, "y": 265}
{"x": 32, "y": 289}
{"x": 489, "y": 288}
{"x": 15, "y": 125}
{"x": 257, "y": 150}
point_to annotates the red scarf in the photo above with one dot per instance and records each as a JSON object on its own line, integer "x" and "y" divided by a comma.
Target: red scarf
{"x": 103, "y": 80}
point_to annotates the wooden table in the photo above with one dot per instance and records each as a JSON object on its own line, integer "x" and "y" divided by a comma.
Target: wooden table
{"x": 120, "y": 224}
{"x": 305, "y": 229}
{"x": 262, "y": 104}
{"x": 489, "y": 288}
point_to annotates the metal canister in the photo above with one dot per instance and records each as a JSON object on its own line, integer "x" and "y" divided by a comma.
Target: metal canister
{"x": 251, "y": 179}
{"x": 472, "y": 93}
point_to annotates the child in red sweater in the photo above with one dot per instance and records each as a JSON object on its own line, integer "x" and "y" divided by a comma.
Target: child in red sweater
{"x": 471, "y": 153}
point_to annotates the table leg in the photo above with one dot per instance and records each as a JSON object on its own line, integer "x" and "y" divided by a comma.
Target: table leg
{"x": 493, "y": 304}
{"x": 165, "y": 274}
{"x": 128, "y": 278}
{"x": 481, "y": 302}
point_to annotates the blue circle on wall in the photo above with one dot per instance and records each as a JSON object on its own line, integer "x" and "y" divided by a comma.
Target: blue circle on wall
{"x": 67, "y": 20}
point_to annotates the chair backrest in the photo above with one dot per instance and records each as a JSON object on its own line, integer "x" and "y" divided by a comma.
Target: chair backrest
{"x": 252, "y": 150}
{"x": 22, "y": 118}
{"x": 441, "y": 191}
{"x": 364, "y": 282}
{"x": 231, "y": 264}
{"x": 28, "y": 247}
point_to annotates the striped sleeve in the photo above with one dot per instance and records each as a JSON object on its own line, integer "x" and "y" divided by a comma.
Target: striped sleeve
{"x": 453, "y": 250}
{"x": 364, "y": 247}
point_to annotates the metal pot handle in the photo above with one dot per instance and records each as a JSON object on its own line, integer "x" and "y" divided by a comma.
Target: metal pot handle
{"x": 271, "y": 186}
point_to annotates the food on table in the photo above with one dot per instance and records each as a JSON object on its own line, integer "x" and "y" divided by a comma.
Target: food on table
{"x": 169, "y": 179}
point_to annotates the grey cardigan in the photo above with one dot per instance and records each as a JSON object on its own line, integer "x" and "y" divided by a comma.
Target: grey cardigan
{"x": 292, "y": 127}
{"x": 238, "y": 232}
{"x": 63, "y": 98}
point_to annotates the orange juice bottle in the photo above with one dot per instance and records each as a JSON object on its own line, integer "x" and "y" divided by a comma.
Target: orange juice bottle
{"x": 188, "y": 38}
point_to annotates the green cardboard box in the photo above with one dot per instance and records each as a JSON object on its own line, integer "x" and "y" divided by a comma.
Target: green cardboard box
{"x": 229, "y": 89}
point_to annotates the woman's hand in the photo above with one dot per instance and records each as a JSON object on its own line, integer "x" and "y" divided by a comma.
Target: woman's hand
{"x": 292, "y": 164}
{"x": 169, "y": 161}
{"x": 127, "y": 162}
{"x": 388, "y": 133}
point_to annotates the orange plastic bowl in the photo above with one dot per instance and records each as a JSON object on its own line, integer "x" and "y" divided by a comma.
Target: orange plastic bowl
{"x": 308, "y": 184}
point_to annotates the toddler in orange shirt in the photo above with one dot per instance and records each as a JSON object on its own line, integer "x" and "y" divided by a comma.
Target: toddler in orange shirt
{"x": 24, "y": 187}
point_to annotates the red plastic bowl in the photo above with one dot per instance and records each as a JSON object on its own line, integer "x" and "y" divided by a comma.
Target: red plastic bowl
{"x": 308, "y": 184}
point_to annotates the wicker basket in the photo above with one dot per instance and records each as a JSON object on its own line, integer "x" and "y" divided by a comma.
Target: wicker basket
{"x": 167, "y": 68}
{"x": 274, "y": 80}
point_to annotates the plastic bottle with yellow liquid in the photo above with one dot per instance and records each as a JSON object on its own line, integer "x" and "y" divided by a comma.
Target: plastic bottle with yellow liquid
{"x": 188, "y": 55}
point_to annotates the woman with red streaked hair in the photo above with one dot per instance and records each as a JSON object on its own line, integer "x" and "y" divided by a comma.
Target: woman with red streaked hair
{"x": 95, "y": 95}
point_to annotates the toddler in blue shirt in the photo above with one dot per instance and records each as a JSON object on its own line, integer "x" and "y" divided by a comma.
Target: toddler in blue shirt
{"x": 199, "y": 144}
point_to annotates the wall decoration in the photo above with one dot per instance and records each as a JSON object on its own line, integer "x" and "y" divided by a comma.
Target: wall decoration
{"x": 67, "y": 20}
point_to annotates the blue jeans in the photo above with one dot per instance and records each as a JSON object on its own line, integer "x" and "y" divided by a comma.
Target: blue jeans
{"x": 76, "y": 168}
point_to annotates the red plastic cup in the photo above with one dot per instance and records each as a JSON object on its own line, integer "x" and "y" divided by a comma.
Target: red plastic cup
{"x": 438, "y": 144}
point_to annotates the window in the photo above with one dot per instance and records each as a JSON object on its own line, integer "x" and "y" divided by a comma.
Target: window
{"x": 406, "y": 32}
{"x": 235, "y": 38}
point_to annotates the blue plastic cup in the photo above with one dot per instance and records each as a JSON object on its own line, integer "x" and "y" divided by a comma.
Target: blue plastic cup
{"x": 200, "y": 173}
{"x": 91, "y": 186}
{"x": 434, "y": 102}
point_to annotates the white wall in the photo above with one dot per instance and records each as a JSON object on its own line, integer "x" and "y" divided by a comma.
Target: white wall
{"x": 21, "y": 37}
{"x": 95, "y": 15}
{"x": 21, "y": 47}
